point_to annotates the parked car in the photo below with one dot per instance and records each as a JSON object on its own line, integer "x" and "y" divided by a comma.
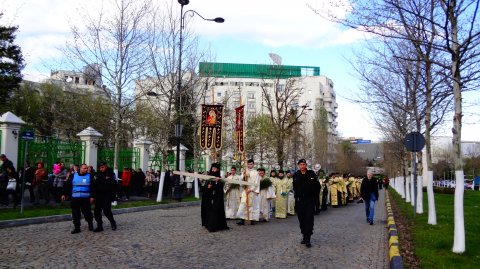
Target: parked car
{"x": 468, "y": 184}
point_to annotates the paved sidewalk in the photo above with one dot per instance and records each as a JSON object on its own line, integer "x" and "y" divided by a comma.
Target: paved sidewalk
{"x": 174, "y": 238}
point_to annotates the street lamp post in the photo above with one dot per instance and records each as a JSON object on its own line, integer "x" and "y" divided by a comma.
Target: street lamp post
{"x": 178, "y": 125}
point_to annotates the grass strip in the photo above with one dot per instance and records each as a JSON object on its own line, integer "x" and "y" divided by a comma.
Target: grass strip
{"x": 433, "y": 243}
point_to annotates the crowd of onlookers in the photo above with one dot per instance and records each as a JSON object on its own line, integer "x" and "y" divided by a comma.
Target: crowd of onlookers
{"x": 47, "y": 187}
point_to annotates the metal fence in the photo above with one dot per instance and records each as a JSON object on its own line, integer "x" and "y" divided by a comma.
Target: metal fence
{"x": 127, "y": 158}
{"x": 50, "y": 150}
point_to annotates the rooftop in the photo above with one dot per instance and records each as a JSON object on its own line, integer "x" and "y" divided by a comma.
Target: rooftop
{"x": 236, "y": 70}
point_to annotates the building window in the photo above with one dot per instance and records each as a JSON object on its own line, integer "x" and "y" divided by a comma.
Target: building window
{"x": 307, "y": 71}
{"x": 280, "y": 87}
{"x": 77, "y": 80}
{"x": 251, "y": 114}
{"x": 251, "y": 95}
{"x": 251, "y": 105}
{"x": 295, "y": 103}
{"x": 219, "y": 94}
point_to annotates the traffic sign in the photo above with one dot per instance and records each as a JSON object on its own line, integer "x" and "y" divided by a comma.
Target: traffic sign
{"x": 414, "y": 142}
{"x": 28, "y": 135}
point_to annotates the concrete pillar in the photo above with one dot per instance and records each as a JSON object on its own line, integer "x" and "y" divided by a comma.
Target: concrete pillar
{"x": 183, "y": 149}
{"x": 90, "y": 136}
{"x": 10, "y": 127}
{"x": 144, "y": 145}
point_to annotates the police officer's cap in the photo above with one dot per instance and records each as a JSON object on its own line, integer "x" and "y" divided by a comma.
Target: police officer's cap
{"x": 302, "y": 161}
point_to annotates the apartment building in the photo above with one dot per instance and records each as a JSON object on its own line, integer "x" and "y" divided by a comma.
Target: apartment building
{"x": 231, "y": 82}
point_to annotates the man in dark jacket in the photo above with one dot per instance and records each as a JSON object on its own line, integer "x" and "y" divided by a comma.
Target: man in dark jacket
{"x": 6, "y": 163}
{"x": 79, "y": 189}
{"x": 369, "y": 194}
{"x": 304, "y": 186}
{"x": 103, "y": 193}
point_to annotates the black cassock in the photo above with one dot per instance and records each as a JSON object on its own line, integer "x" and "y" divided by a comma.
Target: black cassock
{"x": 213, "y": 208}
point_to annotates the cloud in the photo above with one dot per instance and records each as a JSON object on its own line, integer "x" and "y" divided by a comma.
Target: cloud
{"x": 272, "y": 23}
{"x": 44, "y": 25}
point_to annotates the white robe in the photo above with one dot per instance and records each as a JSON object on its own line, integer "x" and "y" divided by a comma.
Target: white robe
{"x": 266, "y": 196}
{"x": 253, "y": 198}
{"x": 291, "y": 198}
{"x": 232, "y": 199}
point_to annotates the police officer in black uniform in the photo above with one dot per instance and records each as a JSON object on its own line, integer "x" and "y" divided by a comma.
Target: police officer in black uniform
{"x": 103, "y": 193}
{"x": 304, "y": 186}
{"x": 78, "y": 188}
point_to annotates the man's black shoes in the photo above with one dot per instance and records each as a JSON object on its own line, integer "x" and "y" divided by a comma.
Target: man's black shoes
{"x": 75, "y": 231}
{"x": 306, "y": 241}
{"x": 242, "y": 222}
{"x": 114, "y": 226}
{"x": 98, "y": 229}
{"x": 90, "y": 226}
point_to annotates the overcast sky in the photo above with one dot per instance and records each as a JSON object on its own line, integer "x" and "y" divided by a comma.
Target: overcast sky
{"x": 252, "y": 29}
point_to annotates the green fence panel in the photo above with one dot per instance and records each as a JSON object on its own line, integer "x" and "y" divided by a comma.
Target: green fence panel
{"x": 50, "y": 150}
{"x": 190, "y": 165}
{"x": 155, "y": 163}
{"x": 127, "y": 158}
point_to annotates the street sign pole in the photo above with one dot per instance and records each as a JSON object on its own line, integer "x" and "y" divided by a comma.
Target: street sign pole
{"x": 26, "y": 136}
{"x": 414, "y": 142}
{"x": 25, "y": 154}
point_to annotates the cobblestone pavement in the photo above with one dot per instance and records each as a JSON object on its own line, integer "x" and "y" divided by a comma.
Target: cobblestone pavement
{"x": 174, "y": 238}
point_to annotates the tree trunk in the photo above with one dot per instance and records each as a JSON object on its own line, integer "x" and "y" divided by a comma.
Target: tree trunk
{"x": 432, "y": 215}
{"x": 118, "y": 122}
{"x": 419, "y": 197}
{"x": 407, "y": 180}
{"x": 459, "y": 229}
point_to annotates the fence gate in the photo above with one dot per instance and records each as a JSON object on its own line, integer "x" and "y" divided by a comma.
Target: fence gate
{"x": 127, "y": 158}
{"x": 50, "y": 150}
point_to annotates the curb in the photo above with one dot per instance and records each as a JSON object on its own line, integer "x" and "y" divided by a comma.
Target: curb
{"x": 67, "y": 217}
{"x": 396, "y": 261}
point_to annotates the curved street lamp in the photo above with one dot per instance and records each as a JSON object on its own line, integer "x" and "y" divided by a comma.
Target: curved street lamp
{"x": 178, "y": 125}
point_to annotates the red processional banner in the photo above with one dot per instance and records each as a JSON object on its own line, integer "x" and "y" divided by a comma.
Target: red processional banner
{"x": 239, "y": 128}
{"x": 211, "y": 127}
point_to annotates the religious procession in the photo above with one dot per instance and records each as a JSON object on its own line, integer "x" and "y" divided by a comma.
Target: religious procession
{"x": 253, "y": 195}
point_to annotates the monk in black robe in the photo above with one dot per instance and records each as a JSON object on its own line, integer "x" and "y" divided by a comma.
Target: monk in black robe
{"x": 213, "y": 207}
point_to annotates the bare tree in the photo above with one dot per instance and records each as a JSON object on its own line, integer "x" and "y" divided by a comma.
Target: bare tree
{"x": 320, "y": 129}
{"x": 462, "y": 41}
{"x": 280, "y": 98}
{"x": 458, "y": 36}
{"x": 163, "y": 60}
{"x": 113, "y": 43}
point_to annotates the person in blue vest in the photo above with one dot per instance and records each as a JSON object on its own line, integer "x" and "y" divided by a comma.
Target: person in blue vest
{"x": 78, "y": 189}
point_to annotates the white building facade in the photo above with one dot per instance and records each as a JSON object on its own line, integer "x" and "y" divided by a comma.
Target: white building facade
{"x": 230, "y": 82}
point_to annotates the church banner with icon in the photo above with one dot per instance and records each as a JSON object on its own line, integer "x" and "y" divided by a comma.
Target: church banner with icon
{"x": 211, "y": 127}
{"x": 239, "y": 128}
